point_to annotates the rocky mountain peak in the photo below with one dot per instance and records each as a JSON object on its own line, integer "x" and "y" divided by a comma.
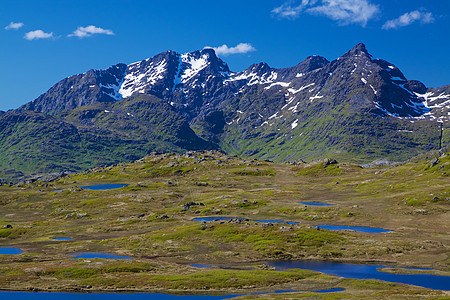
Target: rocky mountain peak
{"x": 194, "y": 79}
{"x": 358, "y": 50}
{"x": 200, "y": 62}
{"x": 311, "y": 63}
{"x": 141, "y": 76}
{"x": 354, "y": 105}
{"x": 259, "y": 68}
{"x": 215, "y": 62}
{"x": 314, "y": 62}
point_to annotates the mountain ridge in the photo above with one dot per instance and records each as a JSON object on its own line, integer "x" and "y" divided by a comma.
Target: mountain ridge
{"x": 169, "y": 82}
{"x": 354, "y": 107}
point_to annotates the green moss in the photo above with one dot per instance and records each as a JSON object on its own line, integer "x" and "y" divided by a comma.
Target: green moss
{"x": 413, "y": 201}
{"x": 177, "y": 233}
{"x": 96, "y": 202}
{"x": 229, "y": 233}
{"x": 265, "y": 245}
{"x": 75, "y": 272}
{"x": 264, "y": 241}
{"x": 13, "y": 233}
{"x": 229, "y": 279}
{"x": 5, "y": 233}
{"x": 169, "y": 171}
{"x": 313, "y": 237}
{"x": 255, "y": 172}
{"x": 320, "y": 170}
{"x": 13, "y": 272}
{"x": 129, "y": 268}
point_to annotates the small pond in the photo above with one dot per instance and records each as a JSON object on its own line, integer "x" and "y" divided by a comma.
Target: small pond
{"x": 100, "y": 187}
{"x": 99, "y": 255}
{"x": 330, "y": 290}
{"x": 62, "y": 239}
{"x": 201, "y": 266}
{"x": 328, "y": 227}
{"x": 316, "y": 204}
{"x": 366, "y": 272}
{"x": 354, "y": 228}
{"x": 10, "y": 251}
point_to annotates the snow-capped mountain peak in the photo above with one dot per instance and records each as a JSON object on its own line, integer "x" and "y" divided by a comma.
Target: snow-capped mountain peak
{"x": 196, "y": 81}
{"x": 165, "y": 72}
{"x": 192, "y": 65}
{"x": 256, "y": 74}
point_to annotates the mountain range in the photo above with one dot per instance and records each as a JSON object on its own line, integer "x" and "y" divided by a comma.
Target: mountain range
{"x": 355, "y": 108}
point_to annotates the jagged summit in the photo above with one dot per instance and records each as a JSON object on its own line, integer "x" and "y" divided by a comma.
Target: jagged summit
{"x": 215, "y": 63}
{"x": 80, "y": 90}
{"x": 164, "y": 73}
{"x": 310, "y": 64}
{"x": 353, "y": 107}
{"x": 259, "y": 68}
{"x": 160, "y": 75}
{"x": 189, "y": 81}
{"x": 359, "y": 49}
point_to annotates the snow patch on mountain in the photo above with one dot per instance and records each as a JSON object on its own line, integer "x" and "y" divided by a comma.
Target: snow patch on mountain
{"x": 294, "y": 91}
{"x": 195, "y": 65}
{"x": 428, "y": 99}
{"x": 141, "y": 75}
{"x": 317, "y": 96}
{"x": 288, "y": 101}
{"x": 273, "y": 116}
{"x": 294, "y": 108}
{"x": 431, "y": 102}
{"x": 253, "y": 78}
{"x": 283, "y": 84}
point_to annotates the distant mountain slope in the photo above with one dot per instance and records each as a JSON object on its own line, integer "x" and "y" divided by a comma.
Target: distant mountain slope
{"x": 79, "y": 90}
{"x": 352, "y": 108}
{"x": 99, "y": 134}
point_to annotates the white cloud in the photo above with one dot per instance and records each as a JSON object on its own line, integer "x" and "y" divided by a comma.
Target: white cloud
{"x": 240, "y": 48}
{"x": 37, "y": 35}
{"x": 343, "y": 11}
{"x": 13, "y": 25}
{"x": 409, "y": 18}
{"x": 347, "y": 11}
{"x": 90, "y": 30}
{"x": 288, "y": 11}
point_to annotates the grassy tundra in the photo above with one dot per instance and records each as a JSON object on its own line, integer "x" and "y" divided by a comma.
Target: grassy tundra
{"x": 151, "y": 221}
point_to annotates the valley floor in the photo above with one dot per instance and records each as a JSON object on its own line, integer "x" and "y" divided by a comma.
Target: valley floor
{"x": 151, "y": 221}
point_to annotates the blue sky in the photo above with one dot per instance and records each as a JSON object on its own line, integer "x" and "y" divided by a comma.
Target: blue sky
{"x": 47, "y": 40}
